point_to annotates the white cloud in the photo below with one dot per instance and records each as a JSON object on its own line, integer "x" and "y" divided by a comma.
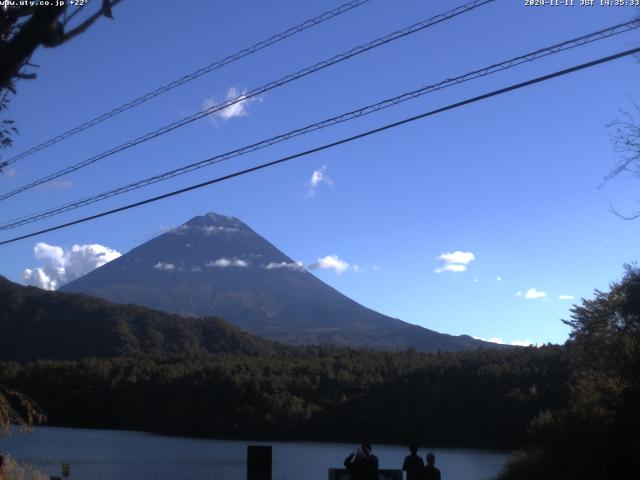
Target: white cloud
{"x": 39, "y": 278}
{"x": 318, "y": 177}
{"x": 212, "y": 229}
{"x": 227, "y": 262}
{"x": 167, "y": 267}
{"x": 566, "y": 297}
{"x": 533, "y": 294}
{"x": 238, "y": 109}
{"x": 207, "y": 230}
{"x": 55, "y": 185}
{"x": 500, "y": 341}
{"x": 330, "y": 262}
{"x": 452, "y": 267}
{"x": 8, "y": 172}
{"x": 491, "y": 339}
{"x": 454, "y": 261}
{"x": 60, "y": 266}
{"x": 498, "y": 278}
{"x": 519, "y": 294}
{"x": 289, "y": 266}
{"x": 457, "y": 257}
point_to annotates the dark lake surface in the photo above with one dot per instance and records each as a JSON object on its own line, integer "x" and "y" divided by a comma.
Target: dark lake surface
{"x": 115, "y": 454}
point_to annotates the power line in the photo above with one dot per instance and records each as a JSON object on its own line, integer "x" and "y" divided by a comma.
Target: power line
{"x": 257, "y": 91}
{"x": 497, "y": 67}
{"x": 191, "y": 76}
{"x": 334, "y": 144}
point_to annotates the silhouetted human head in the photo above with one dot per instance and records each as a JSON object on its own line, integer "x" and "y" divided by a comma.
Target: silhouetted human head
{"x": 366, "y": 448}
{"x": 413, "y": 448}
{"x": 431, "y": 459}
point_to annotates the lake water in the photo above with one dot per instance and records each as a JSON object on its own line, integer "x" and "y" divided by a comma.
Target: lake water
{"x": 113, "y": 454}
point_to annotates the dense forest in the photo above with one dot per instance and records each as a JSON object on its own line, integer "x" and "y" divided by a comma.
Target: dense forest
{"x": 573, "y": 410}
{"x": 596, "y": 435}
{"x": 481, "y": 398}
{"x": 37, "y": 324}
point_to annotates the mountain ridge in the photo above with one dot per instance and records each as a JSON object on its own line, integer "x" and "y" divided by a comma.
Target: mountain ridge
{"x": 217, "y": 265}
{"x": 40, "y": 324}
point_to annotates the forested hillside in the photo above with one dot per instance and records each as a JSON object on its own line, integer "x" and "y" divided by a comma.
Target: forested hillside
{"x": 36, "y": 324}
{"x": 596, "y": 436}
{"x": 481, "y": 398}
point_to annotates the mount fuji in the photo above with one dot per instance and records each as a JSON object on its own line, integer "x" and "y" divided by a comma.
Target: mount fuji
{"x": 217, "y": 265}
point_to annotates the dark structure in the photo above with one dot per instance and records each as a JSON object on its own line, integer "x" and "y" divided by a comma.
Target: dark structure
{"x": 259, "y": 462}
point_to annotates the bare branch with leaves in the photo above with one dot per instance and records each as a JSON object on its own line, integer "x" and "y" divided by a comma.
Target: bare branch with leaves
{"x": 625, "y": 136}
{"x": 23, "y": 29}
{"x": 17, "y": 409}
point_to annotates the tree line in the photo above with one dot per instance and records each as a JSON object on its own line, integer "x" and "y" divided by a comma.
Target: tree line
{"x": 479, "y": 398}
{"x": 596, "y": 435}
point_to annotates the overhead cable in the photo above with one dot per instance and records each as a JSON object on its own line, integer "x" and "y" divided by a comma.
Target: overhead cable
{"x": 491, "y": 69}
{"x": 254, "y": 93}
{"x": 187, "y": 78}
{"x": 332, "y": 144}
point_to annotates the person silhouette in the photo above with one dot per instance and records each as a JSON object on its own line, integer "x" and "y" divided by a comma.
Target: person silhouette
{"x": 430, "y": 472}
{"x": 413, "y": 464}
{"x": 362, "y": 464}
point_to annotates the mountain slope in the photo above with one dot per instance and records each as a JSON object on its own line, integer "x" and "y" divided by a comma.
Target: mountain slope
{"x": 36, "y": 324}
{"x": 217, "y": 265}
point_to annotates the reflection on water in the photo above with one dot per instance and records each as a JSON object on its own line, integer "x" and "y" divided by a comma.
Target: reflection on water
{"x": 113, "y": 454}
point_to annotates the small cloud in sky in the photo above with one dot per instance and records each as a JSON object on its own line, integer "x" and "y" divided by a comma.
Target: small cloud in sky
{"x": 227, "y": 262}
{"x": 237, "y": 109}
{"x": 500, "y": 341}
{"x": 566, "y": 297}
{"x": 476, "y": 280}
{"x": 167, "y": 267}
{"x": 330, "y": 262}
{"x": 533, "y": 294}
{"x": 454, "y": 261}
{"x": 61, "y": 266}
{"x": 9, "y": 172}
{"x": 519, "y": 293}
{"x": 55, "y": 184}
{"x": 498, "y": 278}
{"x": 318, "y": 177}
{"x": 285, "y": 265}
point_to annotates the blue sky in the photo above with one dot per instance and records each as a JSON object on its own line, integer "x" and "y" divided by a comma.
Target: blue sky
{"x": 512, "y": 180}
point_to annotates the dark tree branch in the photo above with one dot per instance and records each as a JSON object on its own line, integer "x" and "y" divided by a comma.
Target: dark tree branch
{"x": 625, "y": 136}
{"x": 25, "y": 76}
{"x": 105, "y": 11}
{"x": 42, "y": 28}
{"x": 25, "y": 28}
{"x": 633, "y": 216}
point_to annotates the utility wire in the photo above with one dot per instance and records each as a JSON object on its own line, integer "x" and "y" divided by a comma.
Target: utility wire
{"x": 335, "y": 144}
{"x": 191, "y": 76}
{"x": 497, "y": 67}
{"x": 258, "y": 91}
